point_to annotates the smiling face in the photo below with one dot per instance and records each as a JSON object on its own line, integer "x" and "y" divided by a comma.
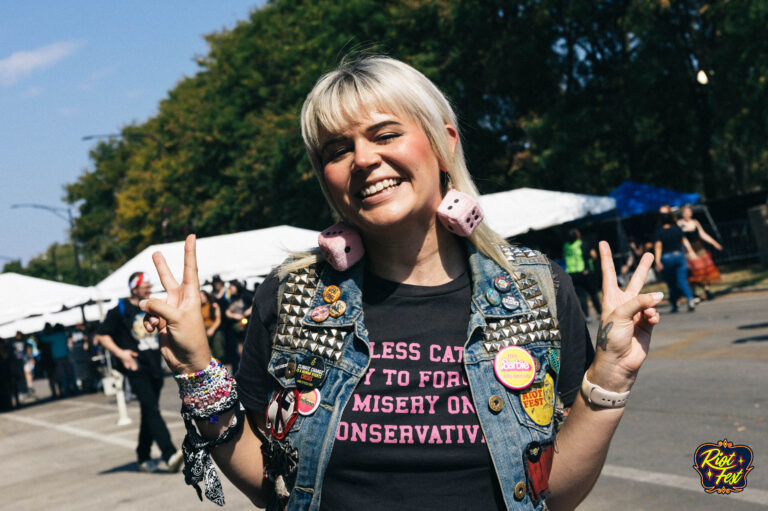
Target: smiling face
{"x": 381, "y": 172}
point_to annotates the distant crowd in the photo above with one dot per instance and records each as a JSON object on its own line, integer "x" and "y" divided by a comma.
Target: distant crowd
{"x": 681, "y": 247}
{"x": 74, "y": 363}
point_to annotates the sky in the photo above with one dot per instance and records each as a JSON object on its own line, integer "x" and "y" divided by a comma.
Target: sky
{"x": 77, "y": 68}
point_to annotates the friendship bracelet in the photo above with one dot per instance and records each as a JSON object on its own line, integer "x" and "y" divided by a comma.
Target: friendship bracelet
{"x": 207, "y": 393}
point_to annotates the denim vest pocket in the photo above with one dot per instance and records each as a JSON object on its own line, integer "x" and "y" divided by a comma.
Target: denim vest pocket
{"x": 279, "y": 367}
{"x": 540, "y": 353}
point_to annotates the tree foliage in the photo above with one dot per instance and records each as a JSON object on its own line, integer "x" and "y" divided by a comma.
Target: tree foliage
{"x": 575, "y": 96}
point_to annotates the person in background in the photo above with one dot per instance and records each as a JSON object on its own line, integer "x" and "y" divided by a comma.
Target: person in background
{"x": 702, "y": 269}
{"x": 670, "y": 248}
{"x": 138, "y": 353}
{"x": 22, "y": 385}
{"x": 79, "y": 351}
{"x": 56, "y": 338}
{"x": 7, "y": 386}
{"x": 238, "y": 312}
{"x": 580, "y": 265}
{"x": 212, "y": 320}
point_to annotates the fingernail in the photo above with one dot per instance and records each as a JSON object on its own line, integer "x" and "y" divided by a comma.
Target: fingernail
{"x": 658, "y": 296}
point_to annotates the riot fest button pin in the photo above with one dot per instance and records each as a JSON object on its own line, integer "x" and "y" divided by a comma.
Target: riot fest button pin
{"x": 514, "y": 367}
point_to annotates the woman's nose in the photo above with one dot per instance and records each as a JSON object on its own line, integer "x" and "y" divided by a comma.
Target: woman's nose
{"x": 366, "y": 155}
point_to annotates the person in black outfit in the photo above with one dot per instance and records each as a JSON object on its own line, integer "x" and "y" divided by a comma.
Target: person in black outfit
{"x": 138, "y": 353}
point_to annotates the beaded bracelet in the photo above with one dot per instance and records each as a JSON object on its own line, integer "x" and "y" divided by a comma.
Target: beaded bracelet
{"x": 207, "y": 393}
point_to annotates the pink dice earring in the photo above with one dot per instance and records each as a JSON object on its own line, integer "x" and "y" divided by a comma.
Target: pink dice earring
{"x": 459, "y": 213}
{"x": 341, "y": 245}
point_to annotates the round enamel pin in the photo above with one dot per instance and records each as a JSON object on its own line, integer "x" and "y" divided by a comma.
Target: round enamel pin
{"x": 514, "y": 367}
{"x": 502, "y": 284}
{"x": 539, "y": 401}
{"x": 337, "y": 308}
{"x": 331, "y": 294}
{"x": 319, "y": 314}
{"x": 510, "y": 303}
{"x": 493, "y": 297}
{"x": 309, "y": 402}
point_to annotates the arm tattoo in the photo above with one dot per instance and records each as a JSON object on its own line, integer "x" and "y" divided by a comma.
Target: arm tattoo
{"x": 602, "y": 334}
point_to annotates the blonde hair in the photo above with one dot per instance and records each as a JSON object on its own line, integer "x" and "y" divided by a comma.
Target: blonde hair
{"x": 387, "y": 85}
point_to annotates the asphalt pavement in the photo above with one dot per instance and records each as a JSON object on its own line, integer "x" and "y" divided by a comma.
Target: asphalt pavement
{"x": 705, "y": 380}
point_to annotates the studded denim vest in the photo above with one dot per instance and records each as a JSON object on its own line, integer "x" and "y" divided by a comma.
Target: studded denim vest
{"x": 512, "y": 436}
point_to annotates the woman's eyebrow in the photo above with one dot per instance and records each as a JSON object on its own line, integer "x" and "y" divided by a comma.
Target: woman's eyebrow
{"x": 381, "y": 124}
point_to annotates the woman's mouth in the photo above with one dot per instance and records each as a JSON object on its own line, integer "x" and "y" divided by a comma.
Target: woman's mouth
{"x": 381, "y": 186}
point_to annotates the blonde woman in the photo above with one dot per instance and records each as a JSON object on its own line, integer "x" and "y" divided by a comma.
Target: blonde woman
{"x": 441, "y": 380}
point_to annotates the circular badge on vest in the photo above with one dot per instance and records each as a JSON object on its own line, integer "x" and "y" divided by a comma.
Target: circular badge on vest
{"x": 309, "y": 402}
{"x": 514, "y": 367}
{"x": 502, "y": 284}
{"x": 319, "y": 314}
{"x": 493, "y": 297}
{"x": 331, "y": 294}
{"x": 337, "y": 308}
{"x": 310, "y": 372}
{"x": 539, "y": 401}
{"x": 510, "y": 303}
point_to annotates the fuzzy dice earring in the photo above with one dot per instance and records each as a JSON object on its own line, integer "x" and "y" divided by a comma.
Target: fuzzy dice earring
{"x": 459, "y": 213}
{"x": 341, "y": 245}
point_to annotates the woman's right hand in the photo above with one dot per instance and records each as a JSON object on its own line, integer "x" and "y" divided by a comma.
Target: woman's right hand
{"x": 179, "y": 318}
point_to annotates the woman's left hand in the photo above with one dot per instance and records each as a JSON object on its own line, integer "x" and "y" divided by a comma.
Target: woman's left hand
{"x": 624, "y": 334}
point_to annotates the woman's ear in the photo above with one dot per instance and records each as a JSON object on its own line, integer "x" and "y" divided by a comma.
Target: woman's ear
{"x": 453, "y": 136}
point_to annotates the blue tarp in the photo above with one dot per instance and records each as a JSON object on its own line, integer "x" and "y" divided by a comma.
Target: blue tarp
{"x": 637, "y": 198}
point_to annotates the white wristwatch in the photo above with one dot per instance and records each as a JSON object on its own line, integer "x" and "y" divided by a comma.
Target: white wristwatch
{"x": 598, "y": 396}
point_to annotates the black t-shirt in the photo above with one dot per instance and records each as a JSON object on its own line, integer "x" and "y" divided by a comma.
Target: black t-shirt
{"x": 671, "y": 239}
{"x": 409, "y": 434}
{"x": 125, "y": 324}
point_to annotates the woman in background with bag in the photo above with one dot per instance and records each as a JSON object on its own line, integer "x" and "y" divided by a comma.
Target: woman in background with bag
{"x": 701, "y": 268}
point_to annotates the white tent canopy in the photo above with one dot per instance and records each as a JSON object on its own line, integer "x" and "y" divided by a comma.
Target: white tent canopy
{"x": 247, "y": 256}
{"x": 36, "y": 323}
{"x": 524, "y": 209}
{"x": 22, "y": 296}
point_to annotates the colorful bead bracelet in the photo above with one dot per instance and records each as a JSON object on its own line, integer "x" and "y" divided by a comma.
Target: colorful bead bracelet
{"x": 207, "y": 393}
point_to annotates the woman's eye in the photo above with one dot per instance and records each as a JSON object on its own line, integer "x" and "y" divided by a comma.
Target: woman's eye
{"x": 385, "y": 137}
{"x": 336, "y": 153}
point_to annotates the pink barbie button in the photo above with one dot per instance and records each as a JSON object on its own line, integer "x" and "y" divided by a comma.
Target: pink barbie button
{"x": 319, "y": 314}
{"x": 514, "y": 367}
{"x": 309, "y": 401}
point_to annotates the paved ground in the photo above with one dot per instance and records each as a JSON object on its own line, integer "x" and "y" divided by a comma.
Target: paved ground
{"x": 705, "y": 380}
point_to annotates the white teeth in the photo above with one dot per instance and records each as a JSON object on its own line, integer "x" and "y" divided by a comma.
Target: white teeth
{"x": 378, "y": 187}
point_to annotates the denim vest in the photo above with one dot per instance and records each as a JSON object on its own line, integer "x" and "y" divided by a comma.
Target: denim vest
{"x": 514, "y": 439}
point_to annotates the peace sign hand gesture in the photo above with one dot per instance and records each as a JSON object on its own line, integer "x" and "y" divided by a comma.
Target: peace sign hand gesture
{"x": 178, "y": 318}
{"x": 624, "y": 334}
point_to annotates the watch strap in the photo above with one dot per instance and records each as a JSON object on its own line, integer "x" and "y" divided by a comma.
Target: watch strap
{"x": 598, "y": 396}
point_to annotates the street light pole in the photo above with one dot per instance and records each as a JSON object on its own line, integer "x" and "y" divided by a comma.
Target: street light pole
{"x": 68, "y": 219}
